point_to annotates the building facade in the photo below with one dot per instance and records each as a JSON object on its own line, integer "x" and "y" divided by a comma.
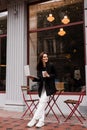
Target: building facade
{"x": 18, "y": 37}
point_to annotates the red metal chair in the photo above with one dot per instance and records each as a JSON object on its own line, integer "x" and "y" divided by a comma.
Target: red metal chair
{"x": 73, "y": 105}
{"x": 53, "y": 101}
{"x": 31, "y": 104}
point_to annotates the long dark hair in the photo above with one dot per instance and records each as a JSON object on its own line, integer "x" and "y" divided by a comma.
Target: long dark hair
{"x": 40, "y": 63}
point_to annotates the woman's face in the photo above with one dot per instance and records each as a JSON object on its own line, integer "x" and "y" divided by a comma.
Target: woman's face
{"x": 45, "y": 58}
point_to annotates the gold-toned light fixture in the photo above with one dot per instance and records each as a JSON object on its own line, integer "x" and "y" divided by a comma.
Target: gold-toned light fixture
{"x": 50, "y": 18}
{"x": 65, "y": 20}
{"x": 61, "y": 32}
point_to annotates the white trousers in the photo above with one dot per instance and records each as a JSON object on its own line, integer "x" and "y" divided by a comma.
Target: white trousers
{"x": 40, "y": 112}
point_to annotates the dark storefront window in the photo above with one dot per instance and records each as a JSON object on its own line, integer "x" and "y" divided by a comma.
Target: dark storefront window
{"x": 66, "y": 51}
{"x": 2, "y": 63}
{"x": 3, "y": 44}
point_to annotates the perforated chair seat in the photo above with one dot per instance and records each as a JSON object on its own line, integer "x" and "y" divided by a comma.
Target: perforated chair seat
{"x": 71, "y": 101}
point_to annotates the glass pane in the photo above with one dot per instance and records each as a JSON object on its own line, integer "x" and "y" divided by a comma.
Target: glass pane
{"x": 3, "y": 44}
{"x": 3, "y": 22}
{"x": 58, "y": 9}
{"x": 65, "y": 51}
{"x": 2, "y": 63}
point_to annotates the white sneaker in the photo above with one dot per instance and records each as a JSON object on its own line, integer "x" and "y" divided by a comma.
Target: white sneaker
{"x": 32, "y": 123}
{"x": 39, "y": 124}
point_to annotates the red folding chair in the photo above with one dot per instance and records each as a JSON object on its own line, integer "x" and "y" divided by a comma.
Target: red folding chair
{"x": 31, "y": 104}
{"x": 53, "y": 101}
{"x": 73, "y": 105}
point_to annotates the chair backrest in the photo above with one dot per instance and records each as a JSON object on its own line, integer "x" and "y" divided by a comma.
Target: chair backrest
{"x": 25, "y": 90}
{"x": 59, "y": 85}
{"x": 82, "y": 93}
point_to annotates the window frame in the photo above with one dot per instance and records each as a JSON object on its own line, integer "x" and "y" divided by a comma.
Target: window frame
{"x": 54, "y": 27}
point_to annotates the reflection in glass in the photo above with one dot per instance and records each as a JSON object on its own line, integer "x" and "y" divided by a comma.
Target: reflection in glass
{"x": 66, "y": 52}
{"x": 65, "y": 20}
{"x": 61, "y": 32}
{"x": 50, "y": 18}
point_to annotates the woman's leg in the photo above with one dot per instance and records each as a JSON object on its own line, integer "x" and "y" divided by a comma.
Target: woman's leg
{"x": 40, "y": 112}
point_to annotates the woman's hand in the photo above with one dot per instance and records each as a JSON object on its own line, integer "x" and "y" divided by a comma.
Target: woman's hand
{"x": 31, "y": 77}
{"x": 45, "y": 74}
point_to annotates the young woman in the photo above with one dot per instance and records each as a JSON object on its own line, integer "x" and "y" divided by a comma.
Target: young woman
{"x": 46, "y": 79}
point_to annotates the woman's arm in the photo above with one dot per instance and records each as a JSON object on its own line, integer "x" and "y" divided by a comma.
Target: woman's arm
{"x": 35, "y": 79}
{"x": 51, "y": 71}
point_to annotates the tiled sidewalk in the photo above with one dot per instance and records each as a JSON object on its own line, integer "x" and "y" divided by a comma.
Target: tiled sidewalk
{"x": 13, "y": 121}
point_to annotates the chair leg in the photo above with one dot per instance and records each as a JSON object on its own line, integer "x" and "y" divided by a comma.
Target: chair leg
{"x": 28, "y": 109}
{"x": 58, "y": 107}
{"x": 73, "y": 112}
{"x": 54, "y": 103}
{"x": 35, "y": 106}
{"x": 48, "y": 105}
{"x": 81, "y": 114}
{"x": 54, "y": 113}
